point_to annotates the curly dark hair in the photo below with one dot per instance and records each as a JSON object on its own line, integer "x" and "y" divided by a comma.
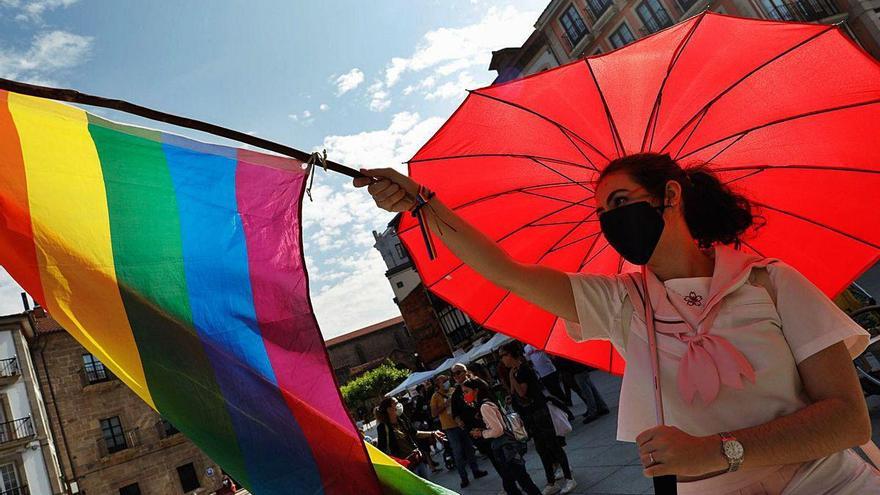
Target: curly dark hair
{"x": 714, "y": 213}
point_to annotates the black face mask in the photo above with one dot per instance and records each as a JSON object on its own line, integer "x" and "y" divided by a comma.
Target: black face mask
{"x": 633, "y": 230}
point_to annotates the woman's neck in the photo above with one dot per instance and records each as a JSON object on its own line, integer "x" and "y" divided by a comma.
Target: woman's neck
{"x": 682, "y": 260}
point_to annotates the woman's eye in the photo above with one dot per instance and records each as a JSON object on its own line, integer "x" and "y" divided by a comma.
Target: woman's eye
{"x": 620, "y": 200}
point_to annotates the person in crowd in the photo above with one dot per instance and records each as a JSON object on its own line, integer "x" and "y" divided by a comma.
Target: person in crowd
{"x": 530, "y": 402}
{"x": 423, "y": 420}
{"x": 576, "y": 377}
{"x": 462, "y": 446}
{"x": 397, "y": 436}
{"x": 755, "y": 361}
{"x": 441, "y": 407}
{"x": 546, "y": 370}
{"x": 496, "y": 430}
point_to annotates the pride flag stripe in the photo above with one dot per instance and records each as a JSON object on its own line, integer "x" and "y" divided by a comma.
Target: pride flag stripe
{"x": 149, "y": 265}
{"x": 16, "y": 239}
{"x": 72, "y": 233}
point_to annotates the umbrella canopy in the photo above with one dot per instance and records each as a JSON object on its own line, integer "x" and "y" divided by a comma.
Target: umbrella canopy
{"x": 786, "y": 112}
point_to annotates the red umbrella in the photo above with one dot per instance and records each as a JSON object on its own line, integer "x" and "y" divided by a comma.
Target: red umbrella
{"x": 788, "y": 112}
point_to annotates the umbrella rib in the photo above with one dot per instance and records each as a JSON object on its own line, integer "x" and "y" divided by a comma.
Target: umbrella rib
{"x": 536, "y": 262}
{"x": 759, "y": 253}
{"x": 507, "y": 235}
{"x": 552, "y": 197}
{"x": 722, "y": 150}
{"x": 736, "y": 83}
{"x": 618, "y": 144}
{"x": 570, "y": 222}
{"x": 753, "y": 172}
{"x": 779, "y": 121}
{"x": 818, "y": 224}
{"x": 584, "y": 238}
{"x": 655, "y": 109}
{"x": 563, "y": 129}
{"x": 586, "y": 261}
{"x": 583, "y": 261}
{"x": 499, "y": 194}
{"x": 499, "y": 155}
{"x": 562, "y": 175}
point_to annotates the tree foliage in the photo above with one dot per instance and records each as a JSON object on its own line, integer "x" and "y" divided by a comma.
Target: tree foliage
{"x": 367, "y": 389}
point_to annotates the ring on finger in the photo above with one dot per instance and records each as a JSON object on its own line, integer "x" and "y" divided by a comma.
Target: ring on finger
{"x": 651, "y": 458}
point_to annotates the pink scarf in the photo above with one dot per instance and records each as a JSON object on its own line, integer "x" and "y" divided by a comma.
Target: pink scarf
{"x": 710, "y": 360}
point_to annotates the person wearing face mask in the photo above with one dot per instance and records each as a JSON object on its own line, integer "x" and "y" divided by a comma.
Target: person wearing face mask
{"x": 464, "y": 415}
{"x": 398, "y": 438}
{"x": 755, "y": 371}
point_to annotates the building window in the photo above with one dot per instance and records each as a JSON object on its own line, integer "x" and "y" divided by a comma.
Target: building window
{"x": 114, "y": 437}
{"x": 804, "y": 10}
{"x": 132, "y": 489}
{"x": 573, "y": 24}
{"x": 598, "y": 7}
{"x": 686, "y": 4}
{"x": 189, "y": 481}
{"x": 456, "y": 325}
{"x": 94, "y": 369}
{"x": 653, "y": 15}
{"x": 400, "y": 251}
{"x": 621, "y": 36}
{"x": 399, "y": 285}
{"x": 166, "y": 429}
{"x": 9, "y": 482}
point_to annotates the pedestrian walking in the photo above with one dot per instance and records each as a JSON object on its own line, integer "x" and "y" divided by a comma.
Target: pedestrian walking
{"x": 576, "y": 377}
{"x": 531, "y": 403}
{"x": 547, "y": 372}
{"x": 505, "y": 447}
{"x": 465, "y": 417}
{"x": 754, "y": 362}
{"x": 397, "y": 436}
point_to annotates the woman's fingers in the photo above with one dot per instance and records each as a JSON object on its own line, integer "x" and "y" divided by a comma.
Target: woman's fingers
{"x": 649, "y": 458}
{"x": 391, "y": 199}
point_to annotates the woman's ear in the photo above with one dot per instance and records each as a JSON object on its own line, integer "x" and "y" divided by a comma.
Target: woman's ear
{"x": 673, "y": 194}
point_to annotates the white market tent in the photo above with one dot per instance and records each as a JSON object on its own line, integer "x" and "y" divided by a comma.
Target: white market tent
{"x": 477, "y": 352}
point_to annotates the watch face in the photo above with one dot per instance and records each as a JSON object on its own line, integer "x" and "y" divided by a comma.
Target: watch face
{"x": 733, "y": 449}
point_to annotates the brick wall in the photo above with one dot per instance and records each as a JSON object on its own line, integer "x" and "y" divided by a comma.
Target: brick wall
{"x": 417, "y": 312}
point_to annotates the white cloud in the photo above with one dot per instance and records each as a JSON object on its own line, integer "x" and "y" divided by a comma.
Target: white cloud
{"x": 307, "y": 114}
{"x": 305, "y": 118}
{"x": 361, "y": 287}
{"x": 449, "y": 50}
{"x": 48, "y": 53}
{"x": 380, "y": 98}
{"x": 349, "y": 81}
{"x": 323, "y": 107}
{"x": 34, "y": 9}
{"x": 453, "y": 89}
{"x": 339, "y": 223}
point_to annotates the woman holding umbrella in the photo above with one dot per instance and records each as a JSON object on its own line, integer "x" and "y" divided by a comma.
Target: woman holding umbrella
{"x": 759, "y": 391}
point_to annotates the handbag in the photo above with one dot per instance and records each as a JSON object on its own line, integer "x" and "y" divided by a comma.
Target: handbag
{"x": 560, "y": 420}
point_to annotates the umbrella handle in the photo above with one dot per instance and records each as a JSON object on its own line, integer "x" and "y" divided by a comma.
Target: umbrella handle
{"x": 663, "y": 485}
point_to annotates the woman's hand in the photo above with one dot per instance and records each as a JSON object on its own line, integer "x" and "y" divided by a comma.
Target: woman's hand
{"x": 390, "y": 189}
{"x": 668, "y": 450}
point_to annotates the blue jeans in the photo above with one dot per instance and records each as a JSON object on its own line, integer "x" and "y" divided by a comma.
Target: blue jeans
{"x": 462, "y": 451}
{"x": 590, "y": 394}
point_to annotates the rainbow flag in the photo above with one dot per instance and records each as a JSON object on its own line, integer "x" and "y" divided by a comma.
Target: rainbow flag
{"x": 179, "y": 264}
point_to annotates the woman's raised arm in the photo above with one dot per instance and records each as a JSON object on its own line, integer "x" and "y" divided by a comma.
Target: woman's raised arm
{"x": 545, "y": 287}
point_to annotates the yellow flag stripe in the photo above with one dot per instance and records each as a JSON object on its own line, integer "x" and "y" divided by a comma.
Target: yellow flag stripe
{"x": 68, "y": 206}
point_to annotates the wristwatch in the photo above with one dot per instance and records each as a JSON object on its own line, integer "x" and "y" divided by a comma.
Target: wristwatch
{"x": 732, "y": 450}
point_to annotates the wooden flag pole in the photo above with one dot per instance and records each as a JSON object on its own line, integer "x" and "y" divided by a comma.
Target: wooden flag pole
{"x": 73, "y": 96}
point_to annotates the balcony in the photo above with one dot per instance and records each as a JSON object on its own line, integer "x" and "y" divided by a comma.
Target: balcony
{"x": 800, "y": 10}
{"x": 107, "y": 446}
{"x": 16, "y": 430}
{"x": 9, "y": 370}
{"x": 21, "y": 490}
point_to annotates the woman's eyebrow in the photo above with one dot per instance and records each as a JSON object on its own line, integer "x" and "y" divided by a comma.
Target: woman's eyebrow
{"x": 608, "y": 199}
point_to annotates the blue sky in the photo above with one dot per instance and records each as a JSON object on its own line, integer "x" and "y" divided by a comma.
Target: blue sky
{"x": 368, "y": 81}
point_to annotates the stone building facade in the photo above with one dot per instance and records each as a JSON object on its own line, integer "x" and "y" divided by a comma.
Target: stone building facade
{"x": 28, "y": 460}
{"x": 364, "y": 349}
{"x": 109, "y": 442}
{"x": 568, "y": 30}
